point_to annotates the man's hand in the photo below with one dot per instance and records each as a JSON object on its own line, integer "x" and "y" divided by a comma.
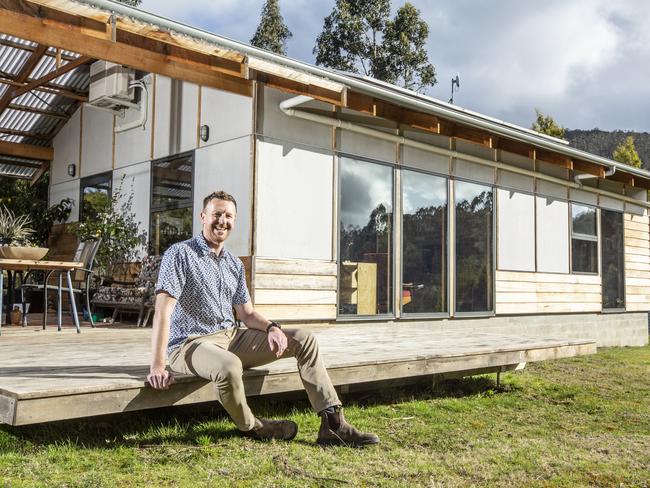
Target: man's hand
{"x": 160, "y": 378}
{"x": 277, "y": 341}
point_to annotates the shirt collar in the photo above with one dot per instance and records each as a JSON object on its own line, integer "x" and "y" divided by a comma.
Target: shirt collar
{"x": 206, "y": 249}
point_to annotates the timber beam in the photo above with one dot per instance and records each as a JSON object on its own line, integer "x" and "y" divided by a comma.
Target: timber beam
{"x": 48, "y": 88}
{"x": 25, "y": 70}
{"x": 88, "y": 37}
{"x": 22, "y": 164}
{"x": 39, "y": 173}
{"x": 24, "y": 133}
{"x": 39, "y": 111}
{"x": 26, "y": 151}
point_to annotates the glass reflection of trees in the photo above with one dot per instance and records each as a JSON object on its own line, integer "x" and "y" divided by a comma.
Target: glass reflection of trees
{"x": 171, "y": 201}
{"x": 612, "y": 259}
{"x": 474, "y": 247}
{"x": 366, "y": 234}
{"x": 584, "y": 239}
{"x": 424, "y": 243}
{"x": 95, "y": 195}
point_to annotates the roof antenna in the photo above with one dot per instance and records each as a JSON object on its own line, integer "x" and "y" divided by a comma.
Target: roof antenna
{"x": 454, "y": 81}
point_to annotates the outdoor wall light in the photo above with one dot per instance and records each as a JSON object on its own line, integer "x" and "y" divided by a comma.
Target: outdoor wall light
{"x": 72, "y": 169}
{"x": 204, "y": 133}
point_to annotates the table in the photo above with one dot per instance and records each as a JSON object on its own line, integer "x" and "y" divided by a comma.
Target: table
{"x": 50, "y": 267}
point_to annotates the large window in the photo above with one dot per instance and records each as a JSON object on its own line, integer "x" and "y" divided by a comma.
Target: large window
{"x": 474, "y": 247}
{"x": 171, "y": 201}
{"x": 612, "y": 257}
{"x": 424, "y": 243}
{"x": 584, "y": 239}
{"x": 95, "y": 195}
{"x": 366, "y": 238}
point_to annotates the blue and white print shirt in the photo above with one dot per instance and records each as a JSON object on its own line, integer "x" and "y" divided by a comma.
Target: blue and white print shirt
{"x": 205, "y": 285}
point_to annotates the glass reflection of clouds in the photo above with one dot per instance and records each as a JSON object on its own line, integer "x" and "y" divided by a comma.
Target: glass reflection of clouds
{"x": 421, "y": 191}
{"x": 364, "y": 186}
{"x": 467, "y": 191}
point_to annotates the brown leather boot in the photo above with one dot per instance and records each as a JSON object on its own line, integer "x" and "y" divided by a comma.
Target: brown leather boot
{"x": 266, "y": 429}
{"x": 335, "y": 430}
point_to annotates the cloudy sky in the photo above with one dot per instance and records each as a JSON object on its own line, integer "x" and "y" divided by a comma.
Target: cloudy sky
{"x": 586, "y": 62}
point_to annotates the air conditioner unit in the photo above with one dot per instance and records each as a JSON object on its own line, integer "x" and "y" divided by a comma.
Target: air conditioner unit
{"x": 109, "y": 86}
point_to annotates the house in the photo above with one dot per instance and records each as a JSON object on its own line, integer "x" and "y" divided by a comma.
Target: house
{"x": 357, "y": 201}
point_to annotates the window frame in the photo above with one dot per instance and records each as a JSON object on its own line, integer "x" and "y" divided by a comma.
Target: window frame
{"x": 486, "y": 313}
{"x": 584, "y": 237}
{"x": 93, "y": 180}
{"x": 339, "y": 156}
{"x": 600, "y": 257}
{"x": 188, "y": 203}
{"x": 448, "y": 280}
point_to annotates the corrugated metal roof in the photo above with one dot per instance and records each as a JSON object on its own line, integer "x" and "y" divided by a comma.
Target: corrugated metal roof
{"x": 39, "y": 128}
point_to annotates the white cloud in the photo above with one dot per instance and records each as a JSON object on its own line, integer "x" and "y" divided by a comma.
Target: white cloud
{"x": 586, "y": 62}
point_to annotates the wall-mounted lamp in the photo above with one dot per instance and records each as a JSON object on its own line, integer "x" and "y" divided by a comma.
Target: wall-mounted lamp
{"x": 204, "y": 133}
{"x": 72, "y": 169}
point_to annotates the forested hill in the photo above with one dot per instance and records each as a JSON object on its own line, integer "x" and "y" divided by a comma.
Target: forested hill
{"x": 603, "y": 143}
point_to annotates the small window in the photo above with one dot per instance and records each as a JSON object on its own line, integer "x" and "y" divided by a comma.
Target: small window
{"x": 584, "y": 239}
{"x": 95, "y": 195}
{"x": 171, "y": 201}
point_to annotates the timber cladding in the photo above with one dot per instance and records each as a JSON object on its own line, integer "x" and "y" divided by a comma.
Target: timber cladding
{"x": 294, "y": 289}
{"x": 525, "y": 293}
{"x": 637, "y": 262}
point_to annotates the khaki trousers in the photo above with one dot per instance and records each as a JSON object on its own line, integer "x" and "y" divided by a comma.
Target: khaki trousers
{"x": 222, "y": 357}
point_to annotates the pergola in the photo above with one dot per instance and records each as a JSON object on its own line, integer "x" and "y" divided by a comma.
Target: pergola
{"x": 46, "y": 47}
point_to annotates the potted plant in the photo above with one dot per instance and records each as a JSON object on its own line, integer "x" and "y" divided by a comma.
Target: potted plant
{"x": 16, "y": 237}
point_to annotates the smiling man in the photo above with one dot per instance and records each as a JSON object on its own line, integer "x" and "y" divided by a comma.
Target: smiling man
{"x": 199, "y": 284}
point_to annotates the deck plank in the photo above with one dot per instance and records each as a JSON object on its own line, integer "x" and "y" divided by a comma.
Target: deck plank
{"x": 49, "y": 375}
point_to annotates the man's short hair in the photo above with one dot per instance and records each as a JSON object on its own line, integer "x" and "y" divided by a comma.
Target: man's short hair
{"x": 219, "y": 195}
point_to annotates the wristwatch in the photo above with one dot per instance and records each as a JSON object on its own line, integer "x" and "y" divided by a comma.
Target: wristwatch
{"x": 272, "y": 324}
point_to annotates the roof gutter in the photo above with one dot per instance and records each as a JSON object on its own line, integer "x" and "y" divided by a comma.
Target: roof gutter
{"x": 404, "y": 99}
{"x": 288, "y": 107}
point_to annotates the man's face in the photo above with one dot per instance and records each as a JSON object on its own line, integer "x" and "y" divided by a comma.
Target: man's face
{"x": 218, "y": 219}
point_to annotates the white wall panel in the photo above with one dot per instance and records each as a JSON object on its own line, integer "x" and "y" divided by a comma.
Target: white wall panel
{"x": 610, "y": 203}
{"x": 189, "y": 117}
{"x": 552, "y": 235}
{"x": 515, "y": 181}
{"x": 473, "y": 149}
{"x": 582, "y": 196}
{"x": 428, "y": 161}
{"x": 366, "y": 146}
{"x": 552, "y": 190}
{"x": 516, "y": 231}
{"x": 473, "y": 171}
{"x": 96, "y": 142}
{"x": 134, "y": 146}
{"x": 67, "y": 189}
{"x": 275, "y": 124}
{"x": 427, "y": 138}
{"x": 137, "y": 179}
{"x": 226, "y": 166}
{"x": 66, "y": 150}
{"x": 226, "y": 114}
{"x": 163, "y": 142}
{"x": 294, "y": 203}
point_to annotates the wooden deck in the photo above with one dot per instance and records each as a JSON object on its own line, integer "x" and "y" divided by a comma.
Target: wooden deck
{"x": 49, "y": 375}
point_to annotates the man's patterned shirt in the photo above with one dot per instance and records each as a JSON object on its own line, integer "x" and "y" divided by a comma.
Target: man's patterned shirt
{"x": 205, "y": 285}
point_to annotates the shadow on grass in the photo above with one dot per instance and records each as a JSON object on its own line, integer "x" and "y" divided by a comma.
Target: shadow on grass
{"x": 191, "y": 424}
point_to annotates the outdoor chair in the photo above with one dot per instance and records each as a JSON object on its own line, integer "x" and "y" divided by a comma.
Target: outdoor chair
{"x": 132, "y": 296}
{"x": 85, "y": 253}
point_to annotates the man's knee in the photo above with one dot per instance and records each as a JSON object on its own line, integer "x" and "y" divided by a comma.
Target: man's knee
{"x": 305, "y": 338}
{"x": 229, "y": 370}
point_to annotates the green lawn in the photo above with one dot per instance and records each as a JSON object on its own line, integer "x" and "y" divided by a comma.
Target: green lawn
{"x": 575, "y": 422}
